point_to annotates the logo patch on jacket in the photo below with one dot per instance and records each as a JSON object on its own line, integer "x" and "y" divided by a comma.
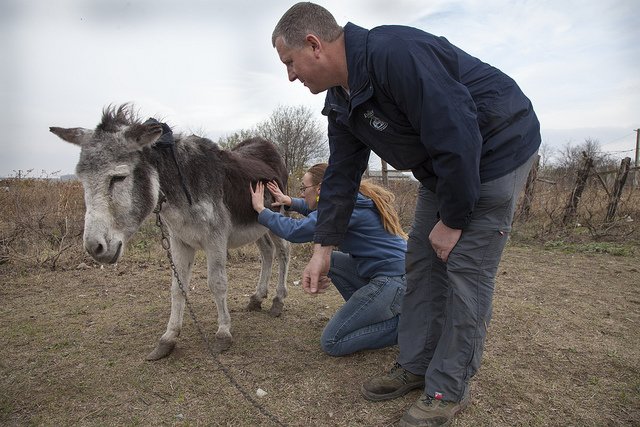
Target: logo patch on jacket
{"x": 375, "y": 122}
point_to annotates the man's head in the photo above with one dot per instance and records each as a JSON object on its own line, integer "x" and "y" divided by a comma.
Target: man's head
{"x": 302, "y": 19}
{"x": 306, "y": 38}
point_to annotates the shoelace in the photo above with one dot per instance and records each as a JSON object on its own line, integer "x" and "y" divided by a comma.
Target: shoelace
{"x": 395, "y": 367}
{"x": 403, "y": 374}
{"x": 426, "y": 399}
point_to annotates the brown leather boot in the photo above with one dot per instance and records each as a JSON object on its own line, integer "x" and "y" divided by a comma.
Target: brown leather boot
{"x": 396, "y": 383}
{"x": 431, "y": 412}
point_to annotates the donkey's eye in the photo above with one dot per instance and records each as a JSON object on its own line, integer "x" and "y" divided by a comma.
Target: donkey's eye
{"x": 115, "y": 179}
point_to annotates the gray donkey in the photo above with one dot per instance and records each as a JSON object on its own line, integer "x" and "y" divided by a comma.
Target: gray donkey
{"x": 125, "y": 170}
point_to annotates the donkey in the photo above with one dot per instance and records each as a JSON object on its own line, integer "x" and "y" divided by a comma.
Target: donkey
{"x": 125, "y": 172}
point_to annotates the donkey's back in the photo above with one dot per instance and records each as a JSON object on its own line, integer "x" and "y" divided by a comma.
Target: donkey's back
{"x": 252, "y": 160}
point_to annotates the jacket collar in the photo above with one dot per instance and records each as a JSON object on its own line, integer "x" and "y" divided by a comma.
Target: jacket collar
{"x": 355, "y": 43}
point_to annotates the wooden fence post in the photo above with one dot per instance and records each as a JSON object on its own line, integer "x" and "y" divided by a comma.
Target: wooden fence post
{"x": 581, "y": 181}
{"x": 385, "y": 173}
{"x": 525, "y": 206}
{"x": 614, "y": 198}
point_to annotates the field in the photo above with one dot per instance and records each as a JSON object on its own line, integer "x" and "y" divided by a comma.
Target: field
{"x": 563, "y": 349}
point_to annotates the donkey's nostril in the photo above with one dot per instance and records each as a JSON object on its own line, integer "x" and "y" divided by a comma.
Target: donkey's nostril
{"x": 99, "y": 249}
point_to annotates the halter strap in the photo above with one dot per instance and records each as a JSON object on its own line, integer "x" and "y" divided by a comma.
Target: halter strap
{"x": 166, "y": 141}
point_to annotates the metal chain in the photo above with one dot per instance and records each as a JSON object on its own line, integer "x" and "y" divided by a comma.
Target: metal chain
{"x": 166, "y": 245}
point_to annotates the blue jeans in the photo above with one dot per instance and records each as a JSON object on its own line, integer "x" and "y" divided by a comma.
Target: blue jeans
{"x": 369, "y": 318}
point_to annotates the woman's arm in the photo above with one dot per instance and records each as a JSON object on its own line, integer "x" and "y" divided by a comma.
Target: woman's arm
{"x": 293, "y": 230}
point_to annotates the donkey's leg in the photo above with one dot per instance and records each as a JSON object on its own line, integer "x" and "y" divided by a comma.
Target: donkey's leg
{"x": 183, "y": 259}
{"x": 265, "y": 245}
{"x": 217, "y": 280}
{"x": 283, "y": 252}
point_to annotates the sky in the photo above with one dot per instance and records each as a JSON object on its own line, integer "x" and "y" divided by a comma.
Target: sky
{"x": 208, "y": 67}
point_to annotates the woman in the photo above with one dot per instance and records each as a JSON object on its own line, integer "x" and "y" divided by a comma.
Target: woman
{"x": 368, "y": 269}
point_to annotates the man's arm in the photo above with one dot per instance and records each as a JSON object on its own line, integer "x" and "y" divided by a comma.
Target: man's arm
{"x": 347, "y": 161}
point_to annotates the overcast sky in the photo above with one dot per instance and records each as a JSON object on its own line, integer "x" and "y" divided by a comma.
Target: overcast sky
{"x": 208, "y": 67}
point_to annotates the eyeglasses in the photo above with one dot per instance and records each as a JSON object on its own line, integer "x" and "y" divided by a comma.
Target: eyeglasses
{"x": 303, "y": 188}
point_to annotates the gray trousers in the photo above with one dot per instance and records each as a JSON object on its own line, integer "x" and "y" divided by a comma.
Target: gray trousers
{"x": 447, "y": 306}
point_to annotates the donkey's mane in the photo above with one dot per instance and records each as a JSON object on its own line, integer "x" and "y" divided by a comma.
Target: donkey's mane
{"x": 115, "y": 117}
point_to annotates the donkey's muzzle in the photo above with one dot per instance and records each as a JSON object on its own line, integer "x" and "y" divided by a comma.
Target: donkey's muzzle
{"x": 103, "y": 252}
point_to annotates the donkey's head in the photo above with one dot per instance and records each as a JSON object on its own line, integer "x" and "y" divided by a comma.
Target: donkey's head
{"x": 120, "y": 186}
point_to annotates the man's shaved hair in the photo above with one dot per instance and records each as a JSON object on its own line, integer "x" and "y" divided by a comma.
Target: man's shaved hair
{"x": 306, "y": 18}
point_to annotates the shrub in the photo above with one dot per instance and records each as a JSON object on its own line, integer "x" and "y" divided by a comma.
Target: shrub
{"x": 40, "y": 220}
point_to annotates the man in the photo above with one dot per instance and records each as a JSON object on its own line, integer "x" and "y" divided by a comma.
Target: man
{"x": 468, "y": 134}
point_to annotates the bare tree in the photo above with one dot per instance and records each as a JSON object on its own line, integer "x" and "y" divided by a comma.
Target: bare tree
{"x": 229, "y": 141}
{"x": 546, "y": 153}
{"x": 298, "y": 135}
{"x": 571, "y": 157}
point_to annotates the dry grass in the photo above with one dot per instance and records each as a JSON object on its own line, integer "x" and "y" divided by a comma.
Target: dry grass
{"x": 41, "y": 220}
{"x": 551, "y": 197}
{"x": 562, "y": 349}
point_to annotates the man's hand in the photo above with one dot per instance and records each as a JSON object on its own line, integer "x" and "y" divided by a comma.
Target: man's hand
{"x": 314, "y": 277}
{"x": 443, "y": 239}
{"x": 281, "y": 198}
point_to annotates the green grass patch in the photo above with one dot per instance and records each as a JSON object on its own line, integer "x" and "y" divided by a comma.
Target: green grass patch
{"x": 615, "y": 249}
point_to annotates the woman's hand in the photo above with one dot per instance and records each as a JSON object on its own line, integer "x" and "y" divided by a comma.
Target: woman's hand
{"x": 280, "y": 198}
{"x": 257, "y": 196}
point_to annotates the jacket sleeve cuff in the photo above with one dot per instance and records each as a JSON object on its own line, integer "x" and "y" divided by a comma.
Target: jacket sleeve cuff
{"x": 457, "y": 223}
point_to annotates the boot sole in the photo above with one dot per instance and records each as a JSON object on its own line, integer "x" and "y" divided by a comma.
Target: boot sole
{"x": 373, "y": 397}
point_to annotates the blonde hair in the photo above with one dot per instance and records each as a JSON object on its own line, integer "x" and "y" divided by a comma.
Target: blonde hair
{"x": 381, "y": 197}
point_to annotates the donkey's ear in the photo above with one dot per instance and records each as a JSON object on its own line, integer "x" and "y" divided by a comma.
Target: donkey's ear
{"x": 73, "y": 135}
{"x": 140, "y": 135}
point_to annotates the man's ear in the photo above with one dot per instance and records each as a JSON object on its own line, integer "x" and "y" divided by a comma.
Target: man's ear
{"x": 315, "y": 43}
{"x": 73, "y": 135}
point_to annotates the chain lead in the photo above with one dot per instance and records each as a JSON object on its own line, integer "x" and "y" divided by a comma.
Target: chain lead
{"x": 166, "y": 245}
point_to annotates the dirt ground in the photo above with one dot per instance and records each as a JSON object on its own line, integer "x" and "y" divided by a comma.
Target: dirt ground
{"x": 563, "y": 349}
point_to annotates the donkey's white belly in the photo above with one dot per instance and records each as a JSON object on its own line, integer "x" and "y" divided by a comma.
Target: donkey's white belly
{"x": 241, "y": 236}
{"x": 205, "y": 227}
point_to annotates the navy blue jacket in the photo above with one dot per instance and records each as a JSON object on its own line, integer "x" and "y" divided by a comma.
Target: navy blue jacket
{"x": 375, "y": 251}
{"x": 422, "y": 104}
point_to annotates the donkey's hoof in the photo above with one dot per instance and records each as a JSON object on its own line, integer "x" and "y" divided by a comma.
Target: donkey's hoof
{"x": 255, "y": 304}
{"x": 222, "y": 344}
{"x": 276, "y": 308}
{"x": 163, "y": 349}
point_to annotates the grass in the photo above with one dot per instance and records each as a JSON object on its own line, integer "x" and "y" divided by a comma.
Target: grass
{"x": 615, "y": 249}
{"x": 73, "y": 344}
